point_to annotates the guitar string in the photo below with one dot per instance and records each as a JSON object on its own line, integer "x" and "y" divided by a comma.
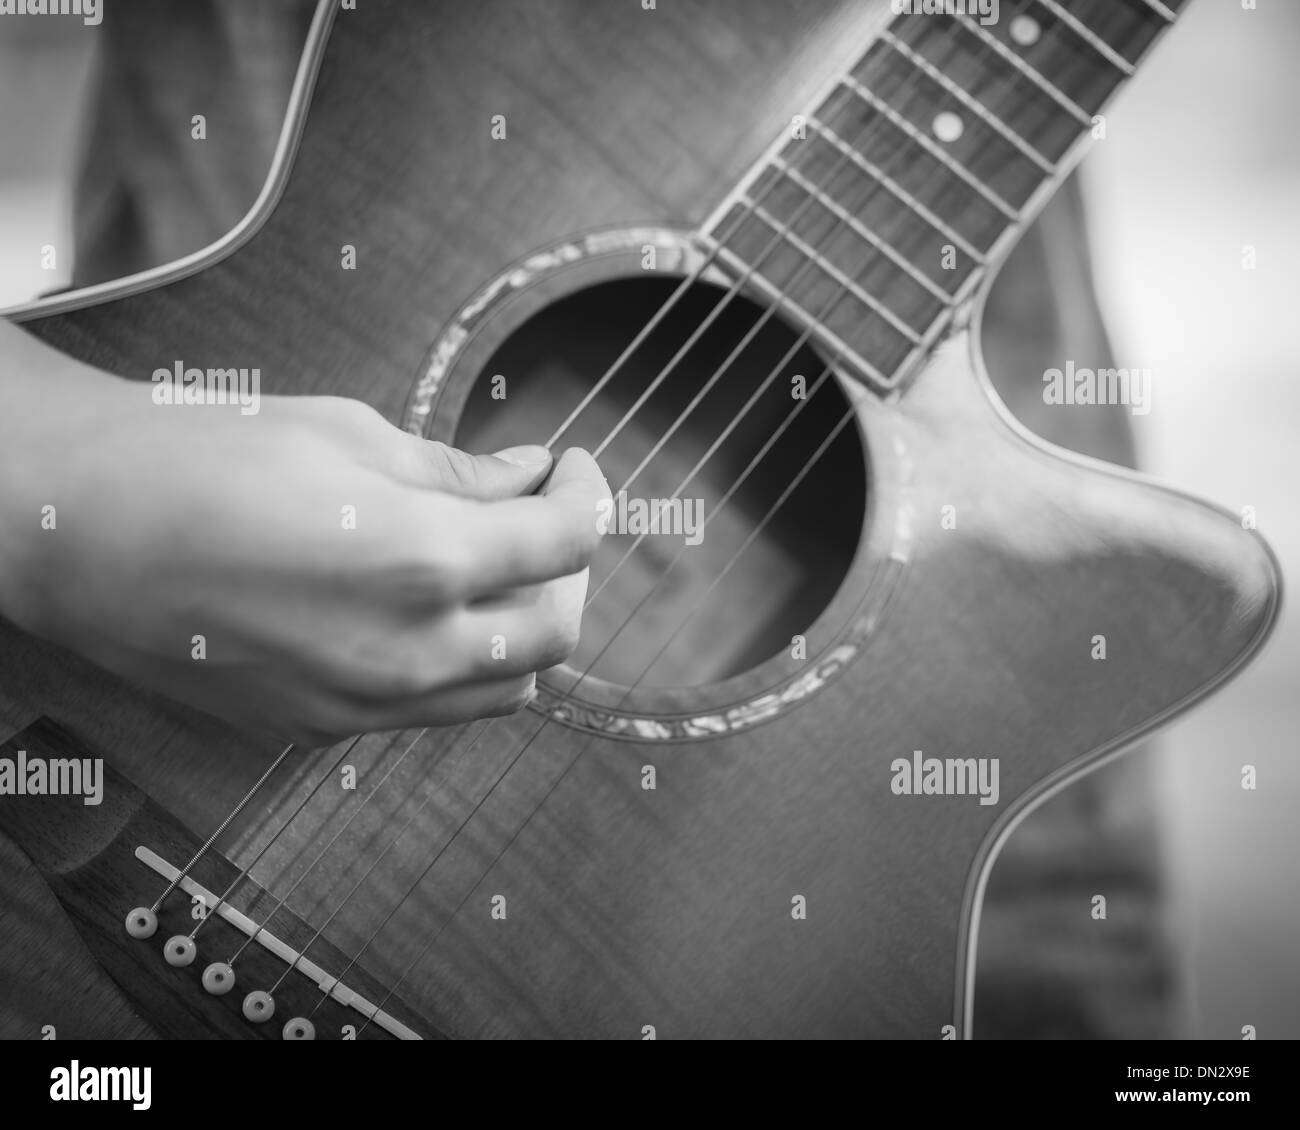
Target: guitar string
{"x": 787, "y": 421}
{"x": 735, "y": 353}
{"x": 669, "y": 304}
{"x": 478, "y": 882}
{"x": 664, "y": 310}
{"x": 909, "y": 87}
{"x": 355, "y": 813}
{"x": 746, "y": 212}
{"x": 710, "y": 451}
{"x": 331, "y": 807}
{"x": 686, "y": 412}
{"x": 224, "y": 825}
{"x": 768, "y": 313}
{"x": 732, "y": 292}
{"x": 513, "y": 838}
{"x": 836, "y": 229}
{"x": 544, "y": 723}
{"x": 389, "y": 993}
{"x": 825, "y": 374}
{"x": 223, "y": 898}
{"x": 686, "y": 619}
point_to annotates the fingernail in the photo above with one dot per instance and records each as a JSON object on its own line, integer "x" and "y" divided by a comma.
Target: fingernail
{"x": 530, "y": 455}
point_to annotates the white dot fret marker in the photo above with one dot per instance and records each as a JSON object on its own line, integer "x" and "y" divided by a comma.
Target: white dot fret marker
{"x": 1025, "y": 30}
{"x": 947, "y": 126}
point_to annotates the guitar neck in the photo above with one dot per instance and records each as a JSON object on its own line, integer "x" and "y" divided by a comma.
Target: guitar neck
{"x": 881, "y": 209}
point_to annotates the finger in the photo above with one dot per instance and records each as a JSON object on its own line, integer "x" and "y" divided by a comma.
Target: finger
{"x": 424, "y": 463}
{"x": 532, "y": 629}
{"x": 436, "y": 466}
{"x": 525, "y": 541}
{"x": 491, "y": 699}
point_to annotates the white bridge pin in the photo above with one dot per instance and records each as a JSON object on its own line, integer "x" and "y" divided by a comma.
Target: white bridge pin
{"x": 180, "y": 950}
{"x": 259, "y": 1006}
{"x": 299, "y": 1029}
{"x": 218, "y": 978}
{"x": 141, "y": 922}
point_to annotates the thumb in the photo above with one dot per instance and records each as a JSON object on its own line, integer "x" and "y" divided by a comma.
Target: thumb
{"x": 507, "y": 474}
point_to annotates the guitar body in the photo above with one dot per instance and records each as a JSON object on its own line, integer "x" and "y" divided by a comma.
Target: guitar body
{"x": 675, "y": 907}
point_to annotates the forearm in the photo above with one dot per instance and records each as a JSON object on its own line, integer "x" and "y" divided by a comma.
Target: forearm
{"x": 52, "y": 410}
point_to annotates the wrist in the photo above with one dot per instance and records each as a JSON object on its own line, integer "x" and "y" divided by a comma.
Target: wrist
{"x": 54, "y": 413}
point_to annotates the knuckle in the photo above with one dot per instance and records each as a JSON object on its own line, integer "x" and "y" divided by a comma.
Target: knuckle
{"x": 347, "y": 411}
{"x": 561, "y": 640}
{"x": 455, "y": 467}
{"x": 443, "y": 570}
{"x": 400, "y": 673}
{"x": 448, "y": 577}
{"x": 401, "y": 681}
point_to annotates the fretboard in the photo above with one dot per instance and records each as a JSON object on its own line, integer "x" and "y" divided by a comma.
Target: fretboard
{"x": 892, "y": 198}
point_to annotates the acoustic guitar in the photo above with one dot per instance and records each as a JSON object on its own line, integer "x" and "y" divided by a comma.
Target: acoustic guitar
{"x": 739, "y": 249}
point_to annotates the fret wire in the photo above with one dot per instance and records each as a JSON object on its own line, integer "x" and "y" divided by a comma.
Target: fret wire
{"x": 829, "y": 268}
{"x": 746, "y": 211}
{"x": 848, "y": 286}
{"x": 935, "y": 151}
{"x": 877, "y": 174}
{"x": 973, "y": 104}
{"x": 1068, "y": 104}
{"x": 777, "y": 294}
{"x": 937, "y": 326}
{"x": 704, "y": 390}
{"x": 773, "y": 162}
{"x": 781, "y": 165}
{"x": 942, "y": 320}
{"x": 1090, "y": 37}
{"x": 1160, "y": 9}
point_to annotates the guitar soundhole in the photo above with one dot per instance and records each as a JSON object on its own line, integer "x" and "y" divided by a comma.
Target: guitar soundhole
{"x": 690, "y": 629}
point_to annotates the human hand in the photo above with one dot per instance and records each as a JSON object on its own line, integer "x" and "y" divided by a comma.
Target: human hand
{"x": 310, "y": 571}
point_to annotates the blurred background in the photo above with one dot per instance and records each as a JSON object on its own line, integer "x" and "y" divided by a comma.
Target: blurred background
{"x": 1201, "y": 160}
